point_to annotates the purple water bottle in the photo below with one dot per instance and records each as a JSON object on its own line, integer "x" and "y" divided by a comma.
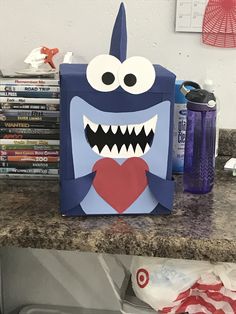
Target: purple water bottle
{"x": 199, "y": 156}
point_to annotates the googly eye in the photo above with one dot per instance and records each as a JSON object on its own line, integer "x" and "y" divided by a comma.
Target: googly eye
{"x": 137, "y": 75}
{"x": 102, "y": 73}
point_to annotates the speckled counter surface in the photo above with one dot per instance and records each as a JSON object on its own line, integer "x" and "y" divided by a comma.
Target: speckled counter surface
{"x": 201, "y": 227}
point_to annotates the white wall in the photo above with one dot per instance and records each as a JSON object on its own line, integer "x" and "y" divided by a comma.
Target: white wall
{"x": 84, "y": 26}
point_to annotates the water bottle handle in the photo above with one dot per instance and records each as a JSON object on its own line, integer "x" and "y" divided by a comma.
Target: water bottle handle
{"x": 183, "y": 88}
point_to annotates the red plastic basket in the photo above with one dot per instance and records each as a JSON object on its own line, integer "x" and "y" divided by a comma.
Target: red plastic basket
{"x": 219, "y": 24}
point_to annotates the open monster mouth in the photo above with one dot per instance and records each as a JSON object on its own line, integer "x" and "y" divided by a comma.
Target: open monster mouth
{"x": 120, "y": 141}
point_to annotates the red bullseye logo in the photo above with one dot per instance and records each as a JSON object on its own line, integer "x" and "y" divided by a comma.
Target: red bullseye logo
{"x": 142, "y": 277}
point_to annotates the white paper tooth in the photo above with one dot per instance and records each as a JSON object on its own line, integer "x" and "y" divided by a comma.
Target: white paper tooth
{"x": 147, "y": 147}
{"x": 123, "y": 128}
{"x": 130, "y": 152}
{"x": 114, "y": 151}
{"x": 105, "y": 151}
{"x": 105, "y": 127}
{"x": 138, "y": 151}
{"x": 123, "y": 152}
{"x": 95, "y": 149}
{"x": 93, "y": 126}
{"x": 130, "y": 128}
{"x": 114, "y": 128}
{"x": 86, "y": 121}
{"x": 148, "y": 127}
{"x": 138, "y": 128}
{"x": 154, "y": 123}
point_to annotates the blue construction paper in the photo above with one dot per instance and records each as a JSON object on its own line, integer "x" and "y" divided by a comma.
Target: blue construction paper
{"x": 117, "y": 107}
{"x": 83, "y": 156}
{"x": 74, "y": 191}
{"x": 163, "y": 190}
{"x": 118, "y": 46}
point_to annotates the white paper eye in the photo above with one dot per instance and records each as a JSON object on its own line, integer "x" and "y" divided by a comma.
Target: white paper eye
{"x": 102, "y": 73}
{"x": 137, "y": 75}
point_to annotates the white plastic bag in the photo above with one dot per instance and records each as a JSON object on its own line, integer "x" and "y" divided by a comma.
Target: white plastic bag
{"x": 175, "y": 286}
{"x": 159, "y": 281}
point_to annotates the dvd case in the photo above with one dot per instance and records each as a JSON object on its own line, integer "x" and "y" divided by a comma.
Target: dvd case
{"x": 30, "y": 147}
{"x": 29, "y": 124}
{"x": 30, "y": 94}
{"x": 25, "y": 100}
{"x": 23, "y": 158}
{"x": 28, "y": 81}
{"x": 29, "y": 127}
{"x": 28, "y": 88}
{"x": 23, "y": 106}
{"x": 28, "y": 165}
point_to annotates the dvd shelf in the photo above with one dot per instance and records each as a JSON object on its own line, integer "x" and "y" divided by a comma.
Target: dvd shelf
{"x": 29, "y": 127}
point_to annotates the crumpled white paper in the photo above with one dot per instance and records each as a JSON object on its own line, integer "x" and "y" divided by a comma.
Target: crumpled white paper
{"x": 35, "y": 59}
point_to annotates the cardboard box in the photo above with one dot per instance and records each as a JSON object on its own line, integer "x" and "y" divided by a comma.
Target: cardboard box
{"x": 116, "y": 134}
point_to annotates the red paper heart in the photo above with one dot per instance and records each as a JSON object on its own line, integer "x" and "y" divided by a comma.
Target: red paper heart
{"x": 120, "y": 185}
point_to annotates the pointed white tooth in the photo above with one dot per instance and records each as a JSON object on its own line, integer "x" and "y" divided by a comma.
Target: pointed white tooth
{"x": 105, "y": 127}
{"x": 114, "y": 151}
{"x": 95, "y": 149}
{"x": 148, "y": 127}
{"x": 154, "y": 123}
{"x": 138, "y": 128}
{"x": 123, "y": 152}
{"x": 123, "y": 128}
{"x": 138, "y": 151}
{"x": 130, "y": 152}
{"x": 93, "y": 126}
{"x": 130, "y": 128}
{"x": 114, "y": 128}
{"x": 105, "y": 151}
{"x": 86, "y": 121}
{"x": 147, "y": 147}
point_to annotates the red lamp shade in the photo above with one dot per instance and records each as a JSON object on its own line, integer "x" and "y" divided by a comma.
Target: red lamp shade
{"x": 219, "y": 24}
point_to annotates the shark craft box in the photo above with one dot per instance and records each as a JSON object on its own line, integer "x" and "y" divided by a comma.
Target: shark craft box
{"x": 116, "y": 133}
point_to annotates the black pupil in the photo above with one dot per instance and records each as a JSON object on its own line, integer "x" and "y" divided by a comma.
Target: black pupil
{"x": 108, "y": 78}
{"x": 130, "y": 79}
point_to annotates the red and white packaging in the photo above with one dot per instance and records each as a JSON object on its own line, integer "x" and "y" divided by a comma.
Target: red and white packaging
{"x": 177, "y": 286}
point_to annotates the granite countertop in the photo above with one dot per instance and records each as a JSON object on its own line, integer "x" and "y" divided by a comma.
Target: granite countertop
{"x": 201, "y": 227}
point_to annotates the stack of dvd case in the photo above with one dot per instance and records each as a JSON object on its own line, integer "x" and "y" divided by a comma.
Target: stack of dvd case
{"x": 29, "y": 127}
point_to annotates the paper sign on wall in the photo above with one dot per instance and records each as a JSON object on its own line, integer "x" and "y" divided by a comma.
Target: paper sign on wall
{"x": 189, "y": 15}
